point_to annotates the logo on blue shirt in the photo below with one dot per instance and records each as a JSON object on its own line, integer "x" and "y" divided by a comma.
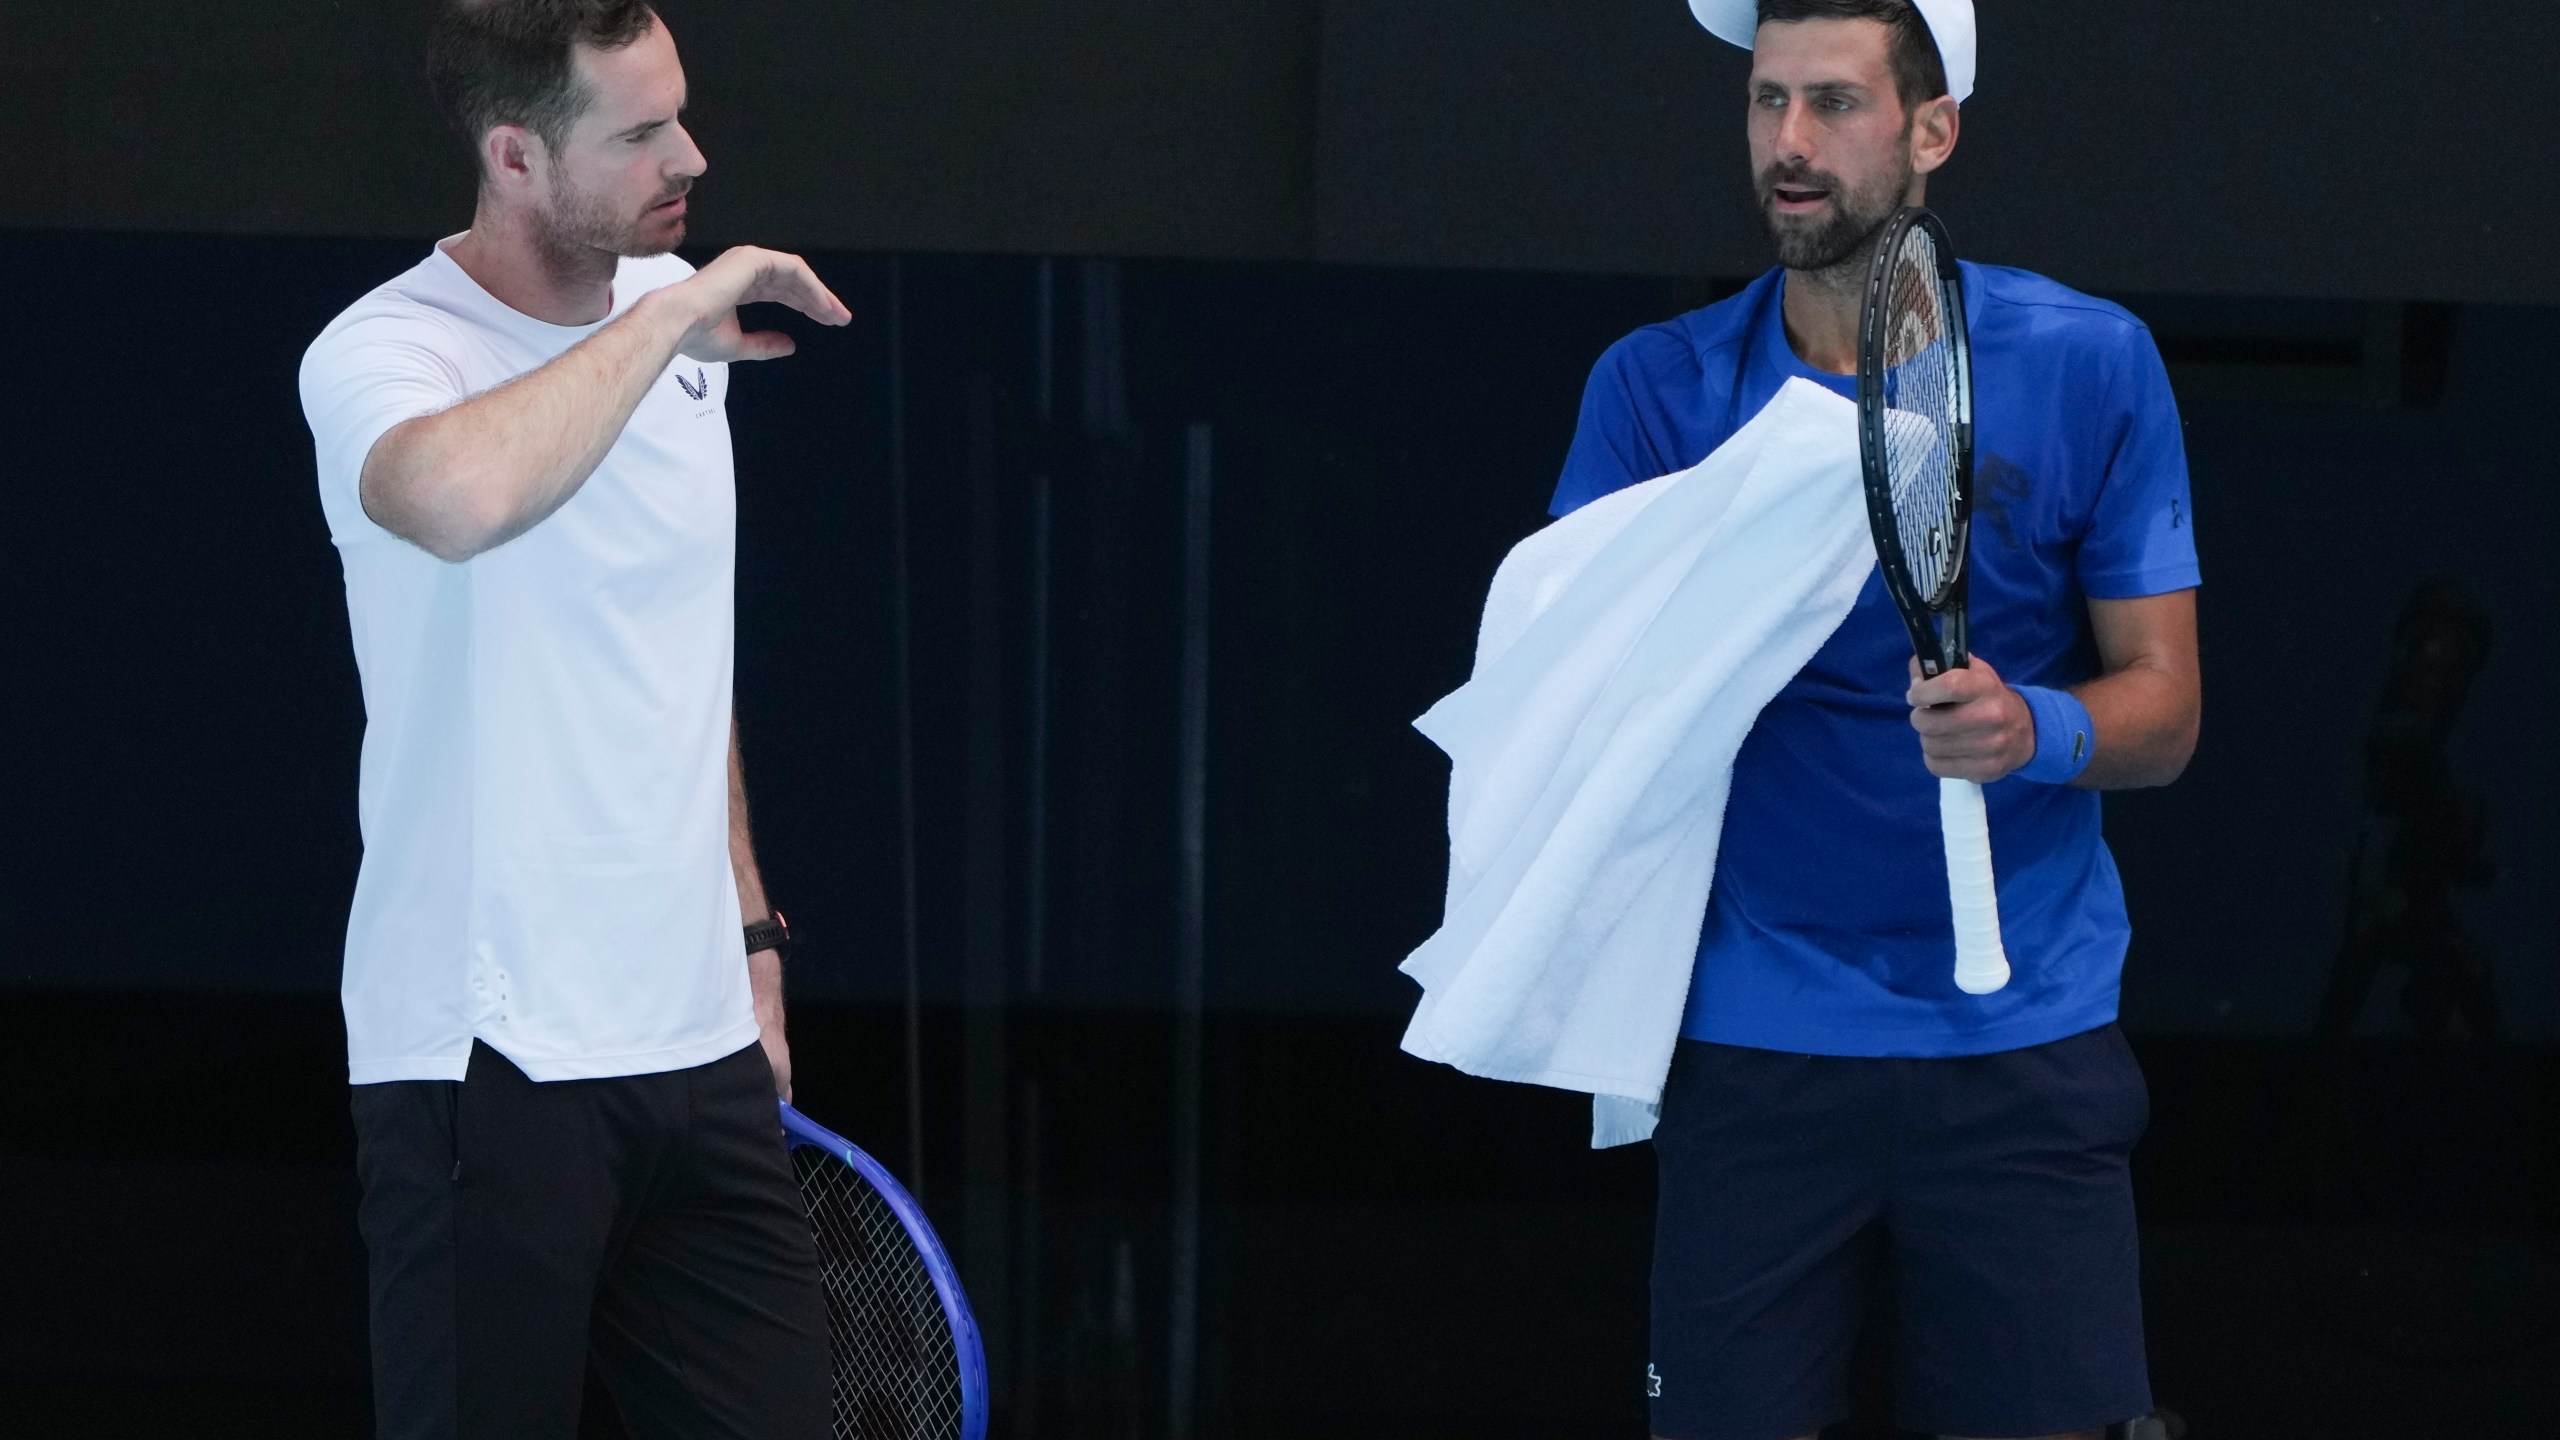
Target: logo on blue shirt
{"x": 1999, "y": 485}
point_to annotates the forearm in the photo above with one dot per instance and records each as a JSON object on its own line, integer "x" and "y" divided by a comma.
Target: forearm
{"x": 468, "y": 479}
{"x": 2144, "y": 708}
{"x": 2146, "y": 721}
{"x": 764, "y": 967}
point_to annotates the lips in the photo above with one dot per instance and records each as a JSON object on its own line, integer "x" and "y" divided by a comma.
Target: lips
{"x": 1797, "y": 196}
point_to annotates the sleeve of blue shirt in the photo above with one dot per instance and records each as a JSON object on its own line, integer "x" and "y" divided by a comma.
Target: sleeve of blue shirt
{"x": 2141, "y": 539}
{"x": 1624, "y": 436}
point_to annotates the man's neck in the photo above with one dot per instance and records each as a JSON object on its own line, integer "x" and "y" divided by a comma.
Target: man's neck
{"x": 506, "y": 256}
{"x": 1821, "y": 314}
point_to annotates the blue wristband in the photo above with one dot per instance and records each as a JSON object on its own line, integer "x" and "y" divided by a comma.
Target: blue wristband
{"x": 2065, "y": 740}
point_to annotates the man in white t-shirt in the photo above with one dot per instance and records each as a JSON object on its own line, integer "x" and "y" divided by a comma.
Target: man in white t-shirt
{"x": 563, "y": 985}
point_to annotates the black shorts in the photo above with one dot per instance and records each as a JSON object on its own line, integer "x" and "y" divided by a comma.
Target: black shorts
{"x": 1993, "y": 1191}
{"x": 645, "y": 1224}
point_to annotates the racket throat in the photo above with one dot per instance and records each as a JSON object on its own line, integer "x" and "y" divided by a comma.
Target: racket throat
{"x": 1939, "y": 642}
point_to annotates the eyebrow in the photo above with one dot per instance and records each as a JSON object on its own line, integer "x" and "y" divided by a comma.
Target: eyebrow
{"x": 647, "y": 127}
{"x": 1815, "y": 90}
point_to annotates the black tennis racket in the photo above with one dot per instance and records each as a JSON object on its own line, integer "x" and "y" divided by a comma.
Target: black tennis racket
{"x": 1915, "y": 443}
{"x": 908, "y": 1364}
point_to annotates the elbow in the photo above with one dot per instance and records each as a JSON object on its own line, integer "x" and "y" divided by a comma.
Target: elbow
{"x": 449, "y": 543}
{"x": 450, "y": 533}
{"x": 437, "y": 507}
{"x": 2179, "y": 749}
{"x": 2176, "y": 726}
{"x": 468, "y": 524}
{"x": 2152, "y": 758}
{"x": 2175, "y": 764}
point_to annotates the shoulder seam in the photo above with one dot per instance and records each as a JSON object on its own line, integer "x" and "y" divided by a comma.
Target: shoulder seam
{"x": 414, "y": 311}
{"x": 2070, "y": 300}
{"x": 2099, "y": 308}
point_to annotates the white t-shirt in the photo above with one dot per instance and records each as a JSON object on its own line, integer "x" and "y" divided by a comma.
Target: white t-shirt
{"x": 544, "y": 793}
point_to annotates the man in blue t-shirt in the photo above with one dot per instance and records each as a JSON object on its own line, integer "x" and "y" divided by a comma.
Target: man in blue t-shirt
{"x": 1838, "y": 1109}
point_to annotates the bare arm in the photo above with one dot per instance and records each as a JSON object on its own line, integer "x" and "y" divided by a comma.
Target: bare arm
{"x": 475, "y": 476}
{"x": 2146, "y": 705}
{"x": 471, "y": 477}
{"x": 764, "y": 967}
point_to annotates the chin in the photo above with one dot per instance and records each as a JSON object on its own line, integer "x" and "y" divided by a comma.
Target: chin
{"x": 654, "y": 240}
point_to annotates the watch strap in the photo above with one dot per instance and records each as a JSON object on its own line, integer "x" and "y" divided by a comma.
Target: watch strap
{"x": 771, "y": 933}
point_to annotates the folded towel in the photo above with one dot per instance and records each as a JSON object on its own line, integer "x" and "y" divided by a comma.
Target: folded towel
{"x": 1625, "y": 651}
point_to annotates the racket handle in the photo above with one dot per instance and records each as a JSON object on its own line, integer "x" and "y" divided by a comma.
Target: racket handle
{"x": 1982, "y": 965}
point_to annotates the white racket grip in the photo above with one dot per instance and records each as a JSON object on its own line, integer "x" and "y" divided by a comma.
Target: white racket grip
{"x": 1982, "y": 965}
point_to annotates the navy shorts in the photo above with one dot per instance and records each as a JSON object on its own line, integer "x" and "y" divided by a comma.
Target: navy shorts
{"x": 1988, "y": 1195}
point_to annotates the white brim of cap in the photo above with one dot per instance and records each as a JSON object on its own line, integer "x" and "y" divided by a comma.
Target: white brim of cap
{"x": 1737, "y": 22}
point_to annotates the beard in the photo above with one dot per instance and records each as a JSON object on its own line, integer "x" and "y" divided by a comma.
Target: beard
{"x": 578, "y": 223}
{"x": 1841, "y": 238}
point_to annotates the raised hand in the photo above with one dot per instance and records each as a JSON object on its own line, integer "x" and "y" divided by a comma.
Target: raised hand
{"x": 749, "y": 275}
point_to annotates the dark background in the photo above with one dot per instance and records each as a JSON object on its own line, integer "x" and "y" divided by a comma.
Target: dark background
{"x": 1373, "y": 250}
{"x": 2390, "y": 149}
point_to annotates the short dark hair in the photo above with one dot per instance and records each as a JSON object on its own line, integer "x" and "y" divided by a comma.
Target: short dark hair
{"x": 508, "y": 62}
{"x": 1911, "y": 52}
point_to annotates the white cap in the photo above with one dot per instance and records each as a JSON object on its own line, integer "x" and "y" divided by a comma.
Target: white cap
{"x": 1950, "y": 24}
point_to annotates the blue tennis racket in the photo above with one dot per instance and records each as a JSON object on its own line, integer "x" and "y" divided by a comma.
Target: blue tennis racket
{"x": 908, "y": 1362}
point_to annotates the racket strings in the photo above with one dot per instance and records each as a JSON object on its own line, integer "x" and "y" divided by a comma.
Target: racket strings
{"x": 897, "y": 1370}
{"x": 1921, "y": 402}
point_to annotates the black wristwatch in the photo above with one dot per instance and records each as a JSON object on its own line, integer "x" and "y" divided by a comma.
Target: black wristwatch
{"x": 771, "y": 933}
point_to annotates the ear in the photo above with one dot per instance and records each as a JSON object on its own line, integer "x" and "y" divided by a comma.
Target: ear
{"x": 1934, "y": 127}
{"x": 511, "y": 158}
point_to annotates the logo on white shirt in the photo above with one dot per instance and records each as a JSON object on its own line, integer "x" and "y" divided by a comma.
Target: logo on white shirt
{"x": 695, "y": 388}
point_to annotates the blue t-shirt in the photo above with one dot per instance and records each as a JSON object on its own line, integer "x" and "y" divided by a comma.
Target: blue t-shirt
{"x": 1828, "y": 930}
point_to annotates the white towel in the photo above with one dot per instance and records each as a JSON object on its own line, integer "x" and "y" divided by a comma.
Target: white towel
{"x": 1625, "y": 651}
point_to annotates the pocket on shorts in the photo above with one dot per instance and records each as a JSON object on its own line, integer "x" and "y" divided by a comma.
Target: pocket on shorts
{"x": 2126, "y": 1084}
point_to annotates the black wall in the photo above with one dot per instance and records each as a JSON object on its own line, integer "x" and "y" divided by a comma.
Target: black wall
{"x": 2288, "y": 147}
{"x": 181, "y": 806}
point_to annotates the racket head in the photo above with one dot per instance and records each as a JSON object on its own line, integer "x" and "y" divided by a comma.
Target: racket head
{"x": 1915, "y": 430}
{"x": 893, "y": 1297}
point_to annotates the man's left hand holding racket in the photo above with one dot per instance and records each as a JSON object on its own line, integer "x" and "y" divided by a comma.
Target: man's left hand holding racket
{"x": 1972, "y": 725}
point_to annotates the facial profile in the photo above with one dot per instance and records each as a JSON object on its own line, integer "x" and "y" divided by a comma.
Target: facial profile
{"x": 618, "y": 180}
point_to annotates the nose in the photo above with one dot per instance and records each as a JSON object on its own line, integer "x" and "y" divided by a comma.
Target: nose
{"x": 688, "y": 160}
{"x": 1794, "y": 140}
